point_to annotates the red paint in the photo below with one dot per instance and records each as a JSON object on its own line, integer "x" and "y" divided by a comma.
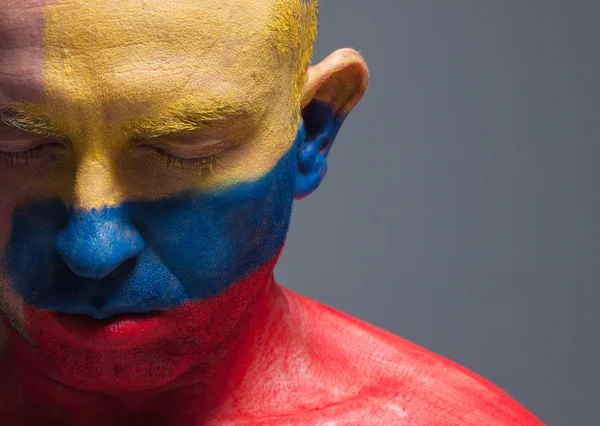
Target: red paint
{"x": 255, "y": 355}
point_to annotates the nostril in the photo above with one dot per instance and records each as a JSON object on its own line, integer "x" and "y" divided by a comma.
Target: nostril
{"x": 125, "y": 269}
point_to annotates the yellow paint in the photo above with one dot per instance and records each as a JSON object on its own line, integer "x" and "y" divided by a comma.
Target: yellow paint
{"x": 116, "y": 69}
{"x": 295, "y": 30}
{"x": 29, "y": 118}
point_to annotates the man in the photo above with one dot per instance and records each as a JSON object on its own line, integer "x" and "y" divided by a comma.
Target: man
{"x": 150, "y": 151}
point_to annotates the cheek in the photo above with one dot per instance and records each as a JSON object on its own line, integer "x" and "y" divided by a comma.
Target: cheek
{"x": 211, "y": 241}
{"x": 6, "y": 208}
{"x": 15, "y": 188}
{"x": 10, "y": 303}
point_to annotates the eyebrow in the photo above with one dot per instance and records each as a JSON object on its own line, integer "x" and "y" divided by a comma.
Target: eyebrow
{"x": 187, "y": 119}
{"x": 213, "y": 113}
{"x": 17, "y": 117}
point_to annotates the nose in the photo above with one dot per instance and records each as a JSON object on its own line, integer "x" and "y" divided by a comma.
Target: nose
{"x": 95, "y": 242}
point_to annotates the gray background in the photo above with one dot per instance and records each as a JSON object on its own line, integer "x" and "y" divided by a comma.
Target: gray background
{"x": 461, "y": 208}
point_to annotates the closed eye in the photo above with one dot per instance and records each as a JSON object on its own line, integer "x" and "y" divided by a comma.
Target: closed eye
{"x": 171, "y": 160}
{"x": 45, "y": 152}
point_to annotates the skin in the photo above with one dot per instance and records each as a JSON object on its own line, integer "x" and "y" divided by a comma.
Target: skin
{"x": 99, "y": 222}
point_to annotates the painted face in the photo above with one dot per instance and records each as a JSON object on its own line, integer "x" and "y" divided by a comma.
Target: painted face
{"x": 158, "y": 164}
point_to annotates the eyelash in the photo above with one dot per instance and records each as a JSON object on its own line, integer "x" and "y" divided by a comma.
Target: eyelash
{"x": 172, "y": 160}
{"x": 14, "y": 159}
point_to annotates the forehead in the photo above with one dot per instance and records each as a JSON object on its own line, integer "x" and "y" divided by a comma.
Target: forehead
{"x": 108, "y": 52}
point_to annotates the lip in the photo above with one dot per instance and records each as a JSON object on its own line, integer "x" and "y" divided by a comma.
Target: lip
{"x": 117, "y": 332}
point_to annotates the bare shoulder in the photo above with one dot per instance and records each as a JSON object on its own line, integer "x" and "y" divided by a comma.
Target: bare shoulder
{"x": 398, "y": 379}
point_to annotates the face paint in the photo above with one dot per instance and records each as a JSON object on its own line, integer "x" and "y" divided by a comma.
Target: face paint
{"x": 295, "y": 30}
{"x": 180, "y": 341}
{"x": 103, "y": 230}
{"x": 204, "y": 258}
{"x": 157, "y": 66}
{"x": 148, "y": 255}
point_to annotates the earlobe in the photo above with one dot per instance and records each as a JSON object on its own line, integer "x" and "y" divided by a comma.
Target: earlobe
{"x": 317, "y": 132}
{"x": 333, "y": 88}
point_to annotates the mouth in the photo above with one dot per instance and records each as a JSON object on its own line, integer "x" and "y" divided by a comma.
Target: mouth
{"x": 117, "y": 332}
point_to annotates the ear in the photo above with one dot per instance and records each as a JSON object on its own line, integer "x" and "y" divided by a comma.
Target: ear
{"x": 332, "y": 89}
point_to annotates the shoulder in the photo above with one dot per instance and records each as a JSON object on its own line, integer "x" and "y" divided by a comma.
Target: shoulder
{"x": 399, "y": 378}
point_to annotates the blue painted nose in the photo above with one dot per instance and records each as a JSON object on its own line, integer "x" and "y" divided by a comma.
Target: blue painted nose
{"x": 95, "y": 242}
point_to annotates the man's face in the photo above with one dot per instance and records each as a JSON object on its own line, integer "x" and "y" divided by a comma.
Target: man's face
{"x": 165, "y": 168}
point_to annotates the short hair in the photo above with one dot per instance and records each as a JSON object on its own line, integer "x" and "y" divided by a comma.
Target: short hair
{"x": 295, "y": 31}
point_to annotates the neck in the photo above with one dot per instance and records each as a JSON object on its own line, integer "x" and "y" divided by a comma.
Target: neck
{"x": 204, "y": 369}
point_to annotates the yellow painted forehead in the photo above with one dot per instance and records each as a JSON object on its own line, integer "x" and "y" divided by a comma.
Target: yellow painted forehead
{"x": 111, "y": 65}
{"x": 120, "y": 54}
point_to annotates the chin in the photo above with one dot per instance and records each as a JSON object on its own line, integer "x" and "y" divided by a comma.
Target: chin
{"x": 136, "y": 367}
{"x": 114, "y": 372}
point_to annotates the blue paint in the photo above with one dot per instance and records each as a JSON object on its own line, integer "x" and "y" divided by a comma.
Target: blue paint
{"x": 150, "y": 255}
{"x": 155, "y": 255}
{"x": 322, "y": 126}
{"x": 94, "y": 244}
